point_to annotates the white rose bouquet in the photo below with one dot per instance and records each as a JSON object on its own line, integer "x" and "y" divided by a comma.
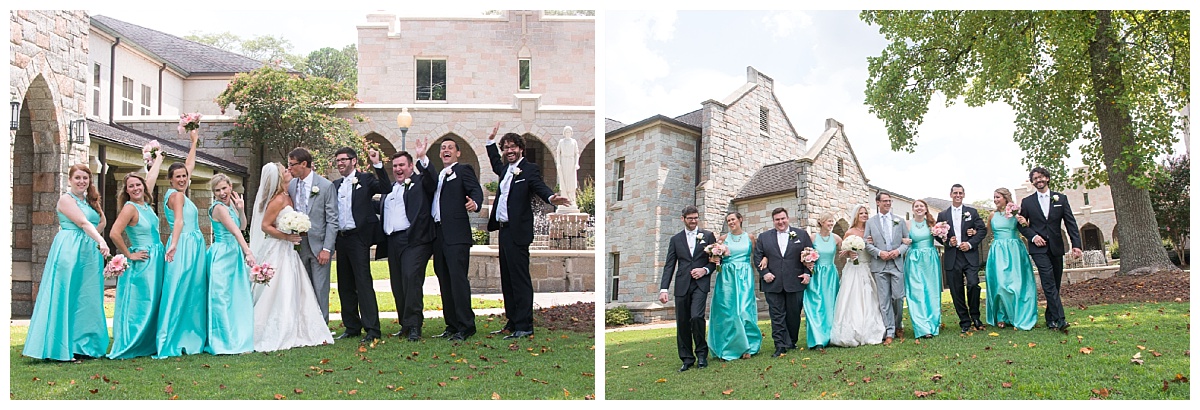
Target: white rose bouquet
{"x": 855, "y": 244}
{"x": 295, "y": 223}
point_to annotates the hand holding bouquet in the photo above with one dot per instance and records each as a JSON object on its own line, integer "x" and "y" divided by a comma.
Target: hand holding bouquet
{"x": 1011, "y": 210}
{"x": 941, "y": 229}
{"x": 295, "y": 223}
{"x": 189, "y": 121}
{"x": 262, "y": 273}
{"x": 715, "y": 252}
{"x": 115, "y": 266}
{"x": 151, "y": 151}
{"x": 854, "y": 244}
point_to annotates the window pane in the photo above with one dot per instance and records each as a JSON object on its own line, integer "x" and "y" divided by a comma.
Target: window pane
{"x": 438, "y": 75}
{"x": 431, "y": 80}
{"x": 524, "y": 74}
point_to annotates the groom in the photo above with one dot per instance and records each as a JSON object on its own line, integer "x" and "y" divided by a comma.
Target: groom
{"x": 961, "y": 259}
{"x": 358, "y": 229}
{"x": 886, "y": 246}
{"x": 314, "y": 196}
{"x": 784, "y": 278}
{"x": 1045, "y": 213}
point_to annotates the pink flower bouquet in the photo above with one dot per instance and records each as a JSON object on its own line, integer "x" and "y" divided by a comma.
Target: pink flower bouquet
{"x": 715, "y": 252}
{"x": 189, "y": 121}
{"x": 1012, "y": 209}
{"x": 262, "y": 273}
{"x": 115, "y": 266}
{"x": 151, "y": 151}
{"x": 940, "y": 229}
{"x": 809, "y": 255}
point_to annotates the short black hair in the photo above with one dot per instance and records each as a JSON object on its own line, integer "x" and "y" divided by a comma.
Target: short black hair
{"x": 513, "y": 138}
{"x": 451, "y": 140}
{"x": 959, "y": 186}
{"x": 301, "y": 155}
{"x": 346, "y": 150}
{"x": 404, "y": 154}
{"x": 687, "y": 210}
{"x": 1039, "y": 170}
{"x": 779, "y": 210}
{"x": 879, "y": 195}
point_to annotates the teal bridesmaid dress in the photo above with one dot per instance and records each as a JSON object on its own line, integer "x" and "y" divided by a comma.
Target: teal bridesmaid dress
{"x": 183, "y": 309}
{"x": 1011, "y": 285}
{"x": 135, "y": 320}
{"x": 923, "y": 282}
{"x": 733, "y": 325}
{"x": 230, "y": 305}
{"x": 820, "y": 297}
{"x": 68, "y": 314}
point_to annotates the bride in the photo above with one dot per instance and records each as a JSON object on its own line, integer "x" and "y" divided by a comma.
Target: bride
{"x": 856, "y": 317}
{"x": 286, "y": 314}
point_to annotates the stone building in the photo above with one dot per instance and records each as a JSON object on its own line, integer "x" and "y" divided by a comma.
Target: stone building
{"x": 742, "y": 154}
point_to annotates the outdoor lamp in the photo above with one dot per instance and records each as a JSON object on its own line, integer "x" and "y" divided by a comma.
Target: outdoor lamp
{"x": 404, "y": 120}
{"x": 16, "y": 115}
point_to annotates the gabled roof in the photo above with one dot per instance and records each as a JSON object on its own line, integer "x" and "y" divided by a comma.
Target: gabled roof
{"x": 611, "y": 124}
{"x": 124, "y": 136}
{"x": 772, "y": 179}
{"x": 890, "y": 193}
{"x": 695, "y": 118}
{"x": 833, "y": 128}
{"x": 187, "y": 56}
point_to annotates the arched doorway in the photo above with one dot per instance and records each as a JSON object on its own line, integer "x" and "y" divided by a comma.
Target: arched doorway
{"x": 1093, "y": 239}
{"x": 541, "y": 155}
{"x": 466, "y": 155}
{"x": 840, "y": 227}
{"x": 587, "y": 164}
{"x": 386, "y": 149}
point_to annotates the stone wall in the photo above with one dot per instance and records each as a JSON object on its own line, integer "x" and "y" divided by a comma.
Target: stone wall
{"x": 550, "y": 271}
{"x": 1098, "y": 211}
{"x": 829, "y": 191}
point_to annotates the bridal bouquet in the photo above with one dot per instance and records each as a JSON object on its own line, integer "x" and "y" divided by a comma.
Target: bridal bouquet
{"x": 296, "y": 223}
{"x": 854, "y": 243}
{"x": 262, "y": 273}
{"x": 941, "y": 229}
{"x": 151, "y": 151}
{"x": 115, "y": 266}
{"x": 189, "y": 121}
{"x": 715, "y": 252}
{"x": 1012, "y": 209}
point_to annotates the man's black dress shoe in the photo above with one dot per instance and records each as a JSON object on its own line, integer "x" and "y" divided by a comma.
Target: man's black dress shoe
{"x": 414, "y": 334}
{"x": 965, "y": 329}
{"x": 701, "y": 363}
{"x": 519, "y": 334}
{"x": 445, "y": 333}
{"x": 368, "y": 339}
{"x": 685, "y": 367}
{"x": 502, "y": 330}
{"x": 779, "y": 351}
{"x": 1063, "y": 326}
{"x": 347, "y": 335}
{"x": 979, "y": 325}
{"x": 458, "y": 336}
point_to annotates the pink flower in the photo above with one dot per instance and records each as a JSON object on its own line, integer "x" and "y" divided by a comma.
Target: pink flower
{"x": 189, "y": 121}
{"x": 809, "y": 255}
{"x": 262, "y": 273}
{"x": 1011, "y": 210}
{"x": 940, "y": 229}
{"x": 116, "y": 266}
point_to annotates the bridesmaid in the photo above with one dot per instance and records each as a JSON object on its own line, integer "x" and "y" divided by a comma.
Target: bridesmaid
{"x": 1011, "y": 285}
{"x": 68, "y": 315}
{"x": 183, "y": 319}
{"x": 923, "y": 274}
{"x": 230, "y": 306}
{"x": 135, "y": 319}
{"x": 733, "y": 326}
{"x": 820, "y": 297}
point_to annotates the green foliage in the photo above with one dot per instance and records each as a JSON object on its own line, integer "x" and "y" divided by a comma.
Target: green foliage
{"x": 618, "y": 316}
{"x": 586, "y": 197}
{"x": 341, "y": 66}
{"x": 1114, "y": 251}
{"x": 983, "y": 206}
{"x": 269, "y": 49}
{"x": 480, "y": 237}
{"x": 492, "y": 186}
{"x": 226, "y": 41}
{"x": 1170, "y": 195}
{"x": 280, "y": 111}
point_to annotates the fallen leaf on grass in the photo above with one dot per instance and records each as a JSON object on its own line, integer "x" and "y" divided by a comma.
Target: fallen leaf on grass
{"x": 1086, "y": 350}
{"x": 1140, "y": 347}
{"x": 993, "y": 334}
{"x": 353, "y": 391}
{"x": 170, "y": 389}
{"x": 1165, "y": 385}
{"x": 1137, "y": 358}
{"x": 324, "y": 361}
{"x": 727, "y": 392}
{"x": 923, "y": 394}
{"x": 298, "y": 391}
{"x": 1179, "y": 378}
{"x": 94, "y": 391}
{"x": 495, "y": 396}
{"x": 866, "y": 380}
{"x": 1156, "y": 354}
{"x": 1006, "y": 385}
{"x": 441, "y": 384}
{"x": 661, "y": 381}
{"x": 936, "y": 377}
{"x": 222, "y": 387}
{"x": 776, "y": 395}
{"x": 279, "y": 396}
{"x": 1032, "y": 344}
{"x": 519, "y": 374}
{"x": 1102, "y": 392}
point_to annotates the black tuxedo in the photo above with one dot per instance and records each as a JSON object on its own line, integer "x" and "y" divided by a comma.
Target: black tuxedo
{"x": 961, "y": 269}
{"x": 691, "y": 295}
{"x": 452, "y": 243}
{"x": 360, "y": 310}
{"x": 408, "y": 251}
{"x": 784, "y": 293}
{"x": 515, "y": 236}
{"x": 1048, "y": 258}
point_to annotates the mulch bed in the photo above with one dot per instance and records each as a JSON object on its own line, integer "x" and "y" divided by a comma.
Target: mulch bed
{"x": 1171, "y": 286}
{"x": 577, "y": 317}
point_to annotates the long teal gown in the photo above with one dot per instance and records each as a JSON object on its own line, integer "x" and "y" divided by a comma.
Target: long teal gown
{"x": 183, "y": 310}
{"x": 820, "y": 297}
{"x": 230, "y": 305}
{"x": 135, "y": 319}
{"x": 1011, "y": 285}
{"x": 68, "y": 314}
{"x": 923, "y": 282}
{"x": 733, "y": 325}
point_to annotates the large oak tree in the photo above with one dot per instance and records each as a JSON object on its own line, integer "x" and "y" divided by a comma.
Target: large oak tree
{"x": 1113, "y": 79}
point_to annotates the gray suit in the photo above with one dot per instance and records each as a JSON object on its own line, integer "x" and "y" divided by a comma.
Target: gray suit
{"x": 889, "y": 275}
{"x": 323, "y": 213}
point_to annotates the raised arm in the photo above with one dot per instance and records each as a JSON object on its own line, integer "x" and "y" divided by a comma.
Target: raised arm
{"x": 190, "y": 162}
{"x": 152, "y": 173}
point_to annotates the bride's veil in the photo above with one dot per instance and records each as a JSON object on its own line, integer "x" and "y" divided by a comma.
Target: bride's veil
{"x": 267, "y": 186}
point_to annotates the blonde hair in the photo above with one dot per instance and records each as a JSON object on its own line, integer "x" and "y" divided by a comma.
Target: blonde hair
{"x": 219, "y": 178}
{"x": 1006, "y": 194}
{"x": 282, "y": 186}
{"x": 824, "y": 216}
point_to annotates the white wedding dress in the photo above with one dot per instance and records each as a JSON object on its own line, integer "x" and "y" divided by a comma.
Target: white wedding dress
{"x": 286, "y": 314}
{"x": 856, "y": 317}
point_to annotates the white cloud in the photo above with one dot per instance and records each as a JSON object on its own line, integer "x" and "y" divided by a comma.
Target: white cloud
{"x": 783, "y": 23}
{"x": 634, "y": 71}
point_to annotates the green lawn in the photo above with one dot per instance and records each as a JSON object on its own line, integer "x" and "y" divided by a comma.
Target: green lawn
{"x": 553, "y": 365}
{"x": 1096, "y": 359}
{"x": 379, "y": 270}
{"x": 387, "y": 303}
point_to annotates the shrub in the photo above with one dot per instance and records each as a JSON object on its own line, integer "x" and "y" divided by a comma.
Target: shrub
{"x": 492, "y": 186}
{"x": 586, "y": 197}
{"x": 480, "y": 237}
{"x": 1114, "y": 251}
{"x": 618, "y": 316}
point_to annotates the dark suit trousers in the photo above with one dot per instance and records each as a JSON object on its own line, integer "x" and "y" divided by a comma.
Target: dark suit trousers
{"x": 515, "y": 282}
{"x": 450, "y": 264}
{"x": 1050, "y": 271}
{"x": 785, "y": 308}
{"x": 689, "y": 325}
{"x": 360, "y": 311}
{"x": 406, "y": 266}
{"x": 964, "y": 290}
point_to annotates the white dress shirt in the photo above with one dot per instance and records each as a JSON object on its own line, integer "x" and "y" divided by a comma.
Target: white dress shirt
{"x": 436, "y": 211}
{"x": 505, "y": 184}
{"x": 1044, "y": 201}
{"x": 782, "y": 238}
{"x": 304, "y": 191}
{"x": 345, "y": 215}
{"x": 396, "y": 219}
{"x": 956, "y": 214}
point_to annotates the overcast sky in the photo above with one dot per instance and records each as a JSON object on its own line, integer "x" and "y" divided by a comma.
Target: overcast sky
{"x": 668, "y": 62}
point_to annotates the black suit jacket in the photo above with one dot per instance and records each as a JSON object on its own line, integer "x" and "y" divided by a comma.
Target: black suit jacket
{"x": 1049, "y": 228}
{"x": 456, "y": 221}
{"x": 787, "y": 268}
{"x": 529, "y": 183}
{"x": 952, "y": 258}
{"x": 680, "y": 263}
{"x": 418, "y": 203}
{"x": 362, "y": 207}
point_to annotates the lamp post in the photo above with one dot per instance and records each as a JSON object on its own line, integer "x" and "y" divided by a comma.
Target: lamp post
{"x": 404, "y": 120}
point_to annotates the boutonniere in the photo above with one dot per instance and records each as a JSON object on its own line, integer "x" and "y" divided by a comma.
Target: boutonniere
{"x": 407, "y": 183}
{"x": 517, "y": 171}
{"x": 699, "y": 239}
{"x": 315, "y": 191}
{"x": 352, "y": 180}
{"x": 792, "y": 234}
{"x": 895, "y": 222}
{"x": 966, "y": 217}
{"x": 1054, "y": 198}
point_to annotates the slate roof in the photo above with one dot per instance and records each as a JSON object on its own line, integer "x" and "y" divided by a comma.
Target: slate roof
{"x": 608, "y": 131}
{"x": 134, "y": 139}
{"x": 185, "y": 55}
{"x": 695, "y": 118}
{"x": 611, "y": 124}
{"x": 889, "y": 192}
{"x": 770, "y": 180}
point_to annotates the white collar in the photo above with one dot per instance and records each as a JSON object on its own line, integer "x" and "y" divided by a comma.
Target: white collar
{"x": 309, "y": 179}
{"x": 693, "y": 232}
{"x": 783, "y": 232}
{"x": 515, "y": 164}
{"x": 1041, "y": 195}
